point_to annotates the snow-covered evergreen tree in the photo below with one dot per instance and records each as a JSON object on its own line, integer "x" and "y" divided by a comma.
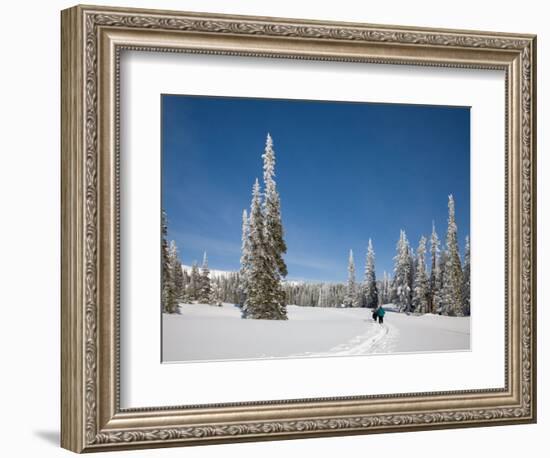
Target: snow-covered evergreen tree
{"x": 165, "y": 264}
{"x": 273, "y": 226}
{"x": 194, "y": 287}
{"x": 466, "y": 279}
{"x": 245, "y": 258}
{"x": 412, "y": 273}
{"x": 177, "y": 274}
{"x": 262, "y": 265}
{"x": 265, "y": 296}
{"x": 185, "y": 289}
{"x": 226, "y": 288}
{"x": 324, "y": 296}
{"x": 256, "y": 257}
{"x": 275, "y": 245}
{"x": 370, "y": 287}
{"x": 421, "y": 284}
{"x": 386, "y": 293}
{"x": 351, "y": 299}
{"x": 216, "y": 293}
{"x": 205, "y": 287}
{"x": 172, "y": 293}
{"x": 434, "y": 253}
{"x": 440, "y": 282}
{"x": 402, "y": 279}
{"x": 452, "y": 288}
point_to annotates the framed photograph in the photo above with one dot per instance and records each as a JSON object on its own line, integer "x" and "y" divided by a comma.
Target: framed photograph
{"x": 278, "y": 228}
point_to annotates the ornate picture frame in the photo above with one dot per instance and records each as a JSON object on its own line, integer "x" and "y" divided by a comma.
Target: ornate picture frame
{"x": 92, "y": 41}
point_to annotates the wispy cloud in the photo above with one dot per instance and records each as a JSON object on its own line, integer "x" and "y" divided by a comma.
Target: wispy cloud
{"x": 309, "y": 262}
{"x": 202, "y": 205}
{"x": 201, "y": 242}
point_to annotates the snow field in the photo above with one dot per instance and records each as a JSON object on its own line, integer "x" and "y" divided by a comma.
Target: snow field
{"x": 205, "y": 333}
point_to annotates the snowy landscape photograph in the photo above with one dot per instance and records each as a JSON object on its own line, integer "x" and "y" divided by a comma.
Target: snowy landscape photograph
{"x": 302, "y": 228}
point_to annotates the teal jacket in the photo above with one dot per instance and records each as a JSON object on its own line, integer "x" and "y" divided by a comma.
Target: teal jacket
{"x": 381, "y": 311}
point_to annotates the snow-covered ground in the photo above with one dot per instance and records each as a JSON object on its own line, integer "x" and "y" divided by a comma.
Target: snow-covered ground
{"x": 206, "y": 332}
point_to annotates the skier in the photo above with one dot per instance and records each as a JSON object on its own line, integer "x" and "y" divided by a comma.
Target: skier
{"x": 375, "y": 314}
{"x": 380, "y": 312}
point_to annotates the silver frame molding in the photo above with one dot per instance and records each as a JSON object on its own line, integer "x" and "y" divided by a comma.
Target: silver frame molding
{"x": 92, "y": 40}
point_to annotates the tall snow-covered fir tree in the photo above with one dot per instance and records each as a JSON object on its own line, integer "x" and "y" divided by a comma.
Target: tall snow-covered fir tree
{"x": 421, "y": 284}
{"x": 205, "y": 286}
{"x": 245, "y": 258}
{"x": 185, "y": 291}
{"x": 402, "y": 281}
{"x": 256, "y": 257}
{"x": 466, "y": 279}
{"x": 265, "y": 295}
{"x": 177, "y": 272}
{"x": 434, "y": 270}
{"x": 165, "y": 263}
{"x": 351, "y": 299}
{"x": 438, "y": 300}
{"x": 385, "y": 293}
{"x": 452, "y": 288}
{"x": 172, "y": 293}
{"x": 370, "y": 287}
{"x": 263, "y": 247}
{"x": 275, "y": 245}
{"x": 412, "y": 262}
{"x": 273, "y": 226}
{"x": 194, "y": 287}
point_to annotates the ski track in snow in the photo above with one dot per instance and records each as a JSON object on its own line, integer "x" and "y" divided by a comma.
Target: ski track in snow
{"x": 387, "y": 344}
{"x": 360, "y": 345}
{"x": 382, "y": 341}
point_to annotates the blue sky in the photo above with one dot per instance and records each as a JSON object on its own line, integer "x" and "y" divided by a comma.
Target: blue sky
{"x": 345, "y": 172}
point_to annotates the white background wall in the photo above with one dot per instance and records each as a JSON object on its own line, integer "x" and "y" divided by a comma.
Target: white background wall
{"x": 29, "y": 227}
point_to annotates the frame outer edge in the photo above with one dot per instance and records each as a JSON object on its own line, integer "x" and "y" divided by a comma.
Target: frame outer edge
{"x": 72, "y": 435}
{"x": 81, "y": 426}
{"x": 533, "y": 254}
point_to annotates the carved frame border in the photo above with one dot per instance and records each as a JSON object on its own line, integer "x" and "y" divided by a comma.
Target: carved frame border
{"x": 92, "y": 39}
